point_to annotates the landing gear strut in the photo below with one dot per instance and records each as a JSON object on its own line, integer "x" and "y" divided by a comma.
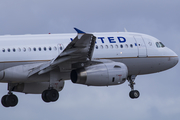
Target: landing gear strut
{"x": 133, "y": 93}
{"x": 50, "y": 95}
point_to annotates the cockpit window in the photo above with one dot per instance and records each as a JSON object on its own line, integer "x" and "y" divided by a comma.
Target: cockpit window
{"x": 162, "y": 45}
{"x": 157, "y": 44}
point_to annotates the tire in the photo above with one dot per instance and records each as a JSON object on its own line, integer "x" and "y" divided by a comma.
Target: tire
{"x": 12, "y": 100}
{"x": 44, "y": 96}
{"x": 134, "y": 94}
{"x": 131, "y": 94}
{"x": 53, "y": 95}
{"x": 4, "y": 101}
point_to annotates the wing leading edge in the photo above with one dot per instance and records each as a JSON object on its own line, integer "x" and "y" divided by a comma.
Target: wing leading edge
{"x": 79, "y": 50}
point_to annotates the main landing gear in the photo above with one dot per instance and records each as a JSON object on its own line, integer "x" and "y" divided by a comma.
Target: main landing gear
{"x": 50, "y": 95}
{"x": 9, "y": 100}
{"x": 133, "y": 93}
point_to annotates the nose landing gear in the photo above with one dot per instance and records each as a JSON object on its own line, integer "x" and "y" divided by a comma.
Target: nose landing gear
{"x": 133, "y": 93}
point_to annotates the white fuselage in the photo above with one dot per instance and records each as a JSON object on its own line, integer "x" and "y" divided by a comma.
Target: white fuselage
{"x": 141, "y": 53}
{"x": 39, "y": 64}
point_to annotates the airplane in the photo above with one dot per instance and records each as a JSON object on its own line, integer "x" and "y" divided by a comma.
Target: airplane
{"x": 39, "y": 64}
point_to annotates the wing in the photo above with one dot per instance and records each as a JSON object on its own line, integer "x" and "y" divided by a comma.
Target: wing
{"x": 80, "y": 50}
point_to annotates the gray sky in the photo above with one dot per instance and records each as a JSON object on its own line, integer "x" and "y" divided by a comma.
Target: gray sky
{"x": 159, "y": 97}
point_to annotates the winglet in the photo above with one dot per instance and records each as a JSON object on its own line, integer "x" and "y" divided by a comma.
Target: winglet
{"x": 79, "y": 31}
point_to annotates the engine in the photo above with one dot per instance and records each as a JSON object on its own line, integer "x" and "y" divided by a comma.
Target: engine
{"x": 104, "y": 74}
{"x": 37, "y": 88}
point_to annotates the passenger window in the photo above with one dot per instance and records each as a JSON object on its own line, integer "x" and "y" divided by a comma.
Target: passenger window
{"x": 39, "y": 49}
{"x": 55, "y": 48}
{"x": 9, "y": 50}
{"x": 150, "y": 43}
{"x": 50, "y": 48}
{"x": 24, "y": 49}
{"x": 121, "y": 46}
{"x": 131, "y": 45}
{"x": 96, "y": 47}
{"x": 62, "y": 48}
{"x": 44, "y": 48}
{"x": 101, "y": 46}
{"x": 116, "y": 46}
{"x": 19, "y": 49}
{"x": 111, "y": 46}
{"x": 14, "y": 50}
{"x": 126, "y": 46}
{"x": 29, "y": 49}
{"x": 34, "y": 49}
{"x": 3, "y": 50}
{"x": 106, "y": 46}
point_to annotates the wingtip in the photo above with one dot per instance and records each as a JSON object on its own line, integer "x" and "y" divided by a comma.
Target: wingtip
{"x": 78, "y": 31}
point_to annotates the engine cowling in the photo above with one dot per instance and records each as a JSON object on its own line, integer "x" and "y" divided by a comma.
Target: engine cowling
{"x": 38, "y": 87}
{"x": 104, "y": 74}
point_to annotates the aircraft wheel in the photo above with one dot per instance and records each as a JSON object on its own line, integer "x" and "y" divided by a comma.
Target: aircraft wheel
{"x": 4, "y": 101}
{"x": 53, "y": 95}
{"x": 9, "y": 100}
{"x": 12, "y": 100}
{"x": 44, "y": 96}
{"x": 50, "y": 95}
{"x": 134, "y": 94}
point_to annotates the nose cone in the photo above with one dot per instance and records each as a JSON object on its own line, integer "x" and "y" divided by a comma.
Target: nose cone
{"x": 174, "y": 59}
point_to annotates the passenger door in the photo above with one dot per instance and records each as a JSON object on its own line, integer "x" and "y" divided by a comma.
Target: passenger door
{"x": 142, "y": 50}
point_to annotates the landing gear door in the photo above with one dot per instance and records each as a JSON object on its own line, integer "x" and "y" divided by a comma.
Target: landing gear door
{"x": 60, "y": 48}
{"x": 142, "y": 50}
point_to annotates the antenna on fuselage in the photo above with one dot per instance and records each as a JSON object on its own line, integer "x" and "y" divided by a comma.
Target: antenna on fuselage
{"x": 125, "y": 30}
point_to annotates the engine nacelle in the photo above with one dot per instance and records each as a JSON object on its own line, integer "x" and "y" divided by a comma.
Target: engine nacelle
{"x": 37, "y": 88}
{"x": 104, "y": 74}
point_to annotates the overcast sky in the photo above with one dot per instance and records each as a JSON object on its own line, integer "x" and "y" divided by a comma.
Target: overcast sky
{"x": 159, "y": 99}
